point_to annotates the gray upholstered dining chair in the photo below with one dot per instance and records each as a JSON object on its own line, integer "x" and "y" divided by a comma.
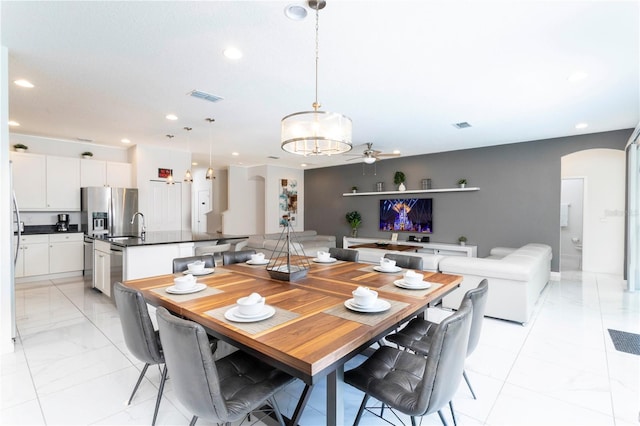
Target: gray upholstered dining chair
{"x": 142, "y": 340}
{"x": 180, "y": 263}
{"x": 349, "y": 255}
{"x": 406, "y": 261}
{"x": 418, "y": 333}
{"x": 223, "y": 390}
{"x": 414, "y": 384}
{"x": 230, "y": 257}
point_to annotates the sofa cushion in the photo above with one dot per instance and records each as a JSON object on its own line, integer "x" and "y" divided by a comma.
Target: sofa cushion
{"x": 518, "y": 269}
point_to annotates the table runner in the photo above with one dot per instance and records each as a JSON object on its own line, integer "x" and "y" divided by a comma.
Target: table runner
{"x": 367, "y": 318}
{"x": 281, "y": 316}
{"x": 209, "y": 291}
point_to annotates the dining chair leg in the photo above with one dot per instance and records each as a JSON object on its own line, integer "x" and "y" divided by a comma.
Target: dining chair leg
{"x": 413, "y": 421}
{"x": 159, "y": 398}
{"x": 466, "y": 379}
{"x": 142, "y": 373}
{"x": 444, "y": 422}
{"x": 453, "y": 414}
{"x": 361, "y": 410}
{"x": 276, "y": 410}
{"x": 194, "y": 419}
{"x": 302, "y": 402}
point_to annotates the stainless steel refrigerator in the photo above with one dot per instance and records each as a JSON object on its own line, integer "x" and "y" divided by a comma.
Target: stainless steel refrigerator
{"x": 108, "y": 211}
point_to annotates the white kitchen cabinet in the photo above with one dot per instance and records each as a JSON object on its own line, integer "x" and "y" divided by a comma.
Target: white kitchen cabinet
{"x": 93, "y": 173}
{"x": 63, "y": 183}
{"x": 105, "y": 173}
{"x": 66, "y": 253}
{"x": 30, "y": 180}
{"x": 102, "y": 267}
{"x": 33, "y": 256}
{"x": 44, "y": 182}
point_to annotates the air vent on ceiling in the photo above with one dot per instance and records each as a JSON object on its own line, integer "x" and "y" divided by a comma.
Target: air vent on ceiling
{"x": 273, "y": 157}
{"x": 461, "y": 125}
{"x": 84, "y": 140}
{"x": 205, "y": 96}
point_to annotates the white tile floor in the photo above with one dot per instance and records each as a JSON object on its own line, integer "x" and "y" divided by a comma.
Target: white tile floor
{"x": 71, "y": 365}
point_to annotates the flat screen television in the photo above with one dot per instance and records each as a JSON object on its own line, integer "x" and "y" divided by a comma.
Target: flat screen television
{"x": 407, "y": 215}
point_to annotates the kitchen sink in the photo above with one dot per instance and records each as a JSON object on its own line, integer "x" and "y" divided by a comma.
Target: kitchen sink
{"x": 123, "y": 238}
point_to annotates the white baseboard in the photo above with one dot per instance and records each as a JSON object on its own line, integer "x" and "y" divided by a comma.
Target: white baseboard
{"x": 555, "y": 276}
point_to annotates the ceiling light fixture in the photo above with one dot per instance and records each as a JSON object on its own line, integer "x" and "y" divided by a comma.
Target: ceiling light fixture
{"x": 369, "y": 160}
{"x": 295, "y": 12}
{"x": 188, "y": 177}
{"x": 125, "y": 140}
{"x": 13, "y": 123}
{"x": 581, "y": 126}
{"x": 171, "y": 117}
{"x": 232, "y": 53}
{"x": 24, "y": 83}
{"x": 209, "y": 175}
{"x": 316, "y": 132}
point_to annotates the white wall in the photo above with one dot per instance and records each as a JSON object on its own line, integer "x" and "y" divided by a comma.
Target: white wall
{"x": 6, "y": 255}
{"x": 604, "y": 206}
{"x": 253, "y": 199}
{"x": 147, "y": 161}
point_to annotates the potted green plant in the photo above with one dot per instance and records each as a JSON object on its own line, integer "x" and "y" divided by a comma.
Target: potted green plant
{"x": 354, "y": 189}
{"x": 399, "y": 179}
{"x": 462, "y": 183}
{"x": 354, "y": 220}
{"x": 19, "y": 147}
{"x": 462, "y": 240}
{"x": 87, "y": 154}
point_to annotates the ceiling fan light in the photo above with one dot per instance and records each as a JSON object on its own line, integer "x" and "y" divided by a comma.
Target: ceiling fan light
{"x": 369, "y": 160}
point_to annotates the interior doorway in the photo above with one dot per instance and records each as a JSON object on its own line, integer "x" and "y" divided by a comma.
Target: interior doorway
{"x": 204, "y": 206}
{"x": 571, "y": 223}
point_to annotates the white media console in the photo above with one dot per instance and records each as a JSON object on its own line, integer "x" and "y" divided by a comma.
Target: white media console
{"x": 444, "y": 249}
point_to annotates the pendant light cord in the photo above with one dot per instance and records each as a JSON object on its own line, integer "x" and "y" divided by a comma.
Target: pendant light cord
{"x": 316, "y": 105}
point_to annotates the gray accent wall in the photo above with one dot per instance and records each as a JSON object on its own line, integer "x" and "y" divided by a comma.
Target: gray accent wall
{"x": 518, "y": 201}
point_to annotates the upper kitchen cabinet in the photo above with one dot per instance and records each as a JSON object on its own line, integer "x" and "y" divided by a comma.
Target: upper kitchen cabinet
{"x": 105, "y": 173}
{"x": 44, "y": 182}
{"x": 30, "y": 180}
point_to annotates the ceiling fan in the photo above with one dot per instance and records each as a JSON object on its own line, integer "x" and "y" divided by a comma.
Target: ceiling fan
{"x": 370, "y": 155}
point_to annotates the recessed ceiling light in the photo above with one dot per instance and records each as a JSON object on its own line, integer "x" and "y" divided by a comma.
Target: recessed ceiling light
{"x": 577, "y": 76}
{"x": 13, "y": 123}
{"x": 171, "y": 117}
{"x": 295, "y": 12}
{"x": 303, "y": 165}
{"x": 235, "y": 154}
{"x": 233, "y": 53}
{"x": 396, "y": 151}
{"x": 581, "y": 126}
{"x": 194, "y": 163}
{"x": 125, "y": 140}
{"x": 24, "y": 83}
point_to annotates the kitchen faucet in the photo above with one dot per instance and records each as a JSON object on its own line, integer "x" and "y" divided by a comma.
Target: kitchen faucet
{"x": 144, "y": 228}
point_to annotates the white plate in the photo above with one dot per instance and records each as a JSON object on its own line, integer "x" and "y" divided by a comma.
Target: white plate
{"x": 232, "y": 315}
{"x": 196, "y": 288}
{"x": 258, "y": 262}
{"x": 330, "y": 260}
{"x": 393, "y": 270}
{"x": 205, "y": 271}
{"x": 380, "y": 305}
{"x": 420, "y": 286}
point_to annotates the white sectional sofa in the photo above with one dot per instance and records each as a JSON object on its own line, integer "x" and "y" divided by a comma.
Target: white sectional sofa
{"x": 516, "y": 279}
{"x": 309, "y": 241}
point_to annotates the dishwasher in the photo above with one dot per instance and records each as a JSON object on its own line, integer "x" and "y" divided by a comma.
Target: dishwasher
{"x": 116, "y": 265}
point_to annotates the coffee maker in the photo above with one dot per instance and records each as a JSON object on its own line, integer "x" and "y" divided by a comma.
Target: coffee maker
{"x": 63, "y": 222}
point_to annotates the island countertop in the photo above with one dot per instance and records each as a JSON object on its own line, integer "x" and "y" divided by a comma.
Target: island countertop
{"x": 168, "y": 237}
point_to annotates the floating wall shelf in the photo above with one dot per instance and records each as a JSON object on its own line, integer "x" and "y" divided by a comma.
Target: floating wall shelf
{"x": 410, "y": 191}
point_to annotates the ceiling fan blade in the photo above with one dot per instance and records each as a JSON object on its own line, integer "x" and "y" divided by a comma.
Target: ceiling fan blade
{"x": 388, "y": 155}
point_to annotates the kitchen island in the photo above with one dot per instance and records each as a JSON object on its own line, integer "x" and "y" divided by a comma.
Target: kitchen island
{"x": 128, "y": 257}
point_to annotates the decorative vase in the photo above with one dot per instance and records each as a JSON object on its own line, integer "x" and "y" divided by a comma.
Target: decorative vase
{"x": 86, "y": 156}
{"x": 462, "y": 243}
{"x": 462, "y": 185}
{"x": 354, "y": 232}
{"x": 20, "y": 150}
{"x": 401, "y": 187}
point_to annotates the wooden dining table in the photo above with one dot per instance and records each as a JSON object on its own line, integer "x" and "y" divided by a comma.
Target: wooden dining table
{"x": 312, "y": 333}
